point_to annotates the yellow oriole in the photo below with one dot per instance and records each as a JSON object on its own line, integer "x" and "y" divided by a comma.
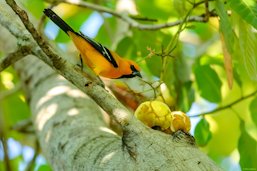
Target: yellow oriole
{"x": 101, "y": 60}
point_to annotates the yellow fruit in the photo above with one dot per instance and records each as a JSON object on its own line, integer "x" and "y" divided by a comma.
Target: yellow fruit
{"x": 180, "y": 121}
{"x": 154, "y": 113}
{"x": 158, "y": 114}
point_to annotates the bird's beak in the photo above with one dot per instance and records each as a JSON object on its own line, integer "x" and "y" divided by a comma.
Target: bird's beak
{"x": 136, "y": 73}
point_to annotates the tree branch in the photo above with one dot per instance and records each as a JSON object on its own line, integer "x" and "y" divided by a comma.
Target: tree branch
{"x": 226, "y": 106}
{"x": 74, "y": 74}
{"x": 129, "y": 20}
{"x": 14, "y": 57}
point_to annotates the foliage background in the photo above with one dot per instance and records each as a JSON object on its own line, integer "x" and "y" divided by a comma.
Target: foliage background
{"x": 191, "y": 65}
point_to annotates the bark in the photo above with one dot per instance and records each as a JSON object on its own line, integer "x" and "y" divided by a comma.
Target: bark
{"x": 73, "y": 135}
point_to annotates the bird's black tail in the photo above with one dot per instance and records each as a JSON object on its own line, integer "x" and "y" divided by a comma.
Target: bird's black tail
{"x": 58, "y": 21}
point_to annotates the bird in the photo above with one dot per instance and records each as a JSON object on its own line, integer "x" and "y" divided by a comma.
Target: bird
{"x": 101, "y": 60}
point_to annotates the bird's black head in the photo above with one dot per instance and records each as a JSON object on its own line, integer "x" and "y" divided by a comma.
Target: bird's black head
{"x": 135, "y": 72}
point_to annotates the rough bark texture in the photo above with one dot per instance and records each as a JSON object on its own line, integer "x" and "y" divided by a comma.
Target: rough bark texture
{"x": 73, "y": 135}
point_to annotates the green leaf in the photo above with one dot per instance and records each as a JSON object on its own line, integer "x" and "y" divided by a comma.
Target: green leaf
{"x": 208, "y": 83}
{"x": 35, "y": 7}
{"x": 155, "y": 65}
{"x": 253, "y": 109}
{"x": 225, "y": 26}
{"x": 107, "y": 31}
{"x": 126, "y": 48}
{"x": 247, "y": 147}
{"x": 237, "y": 78}
{"x": 180, "y": 7}
{"x": 44, "y": 168}
{"x": 187, "y": 96}
{"x": 247, "y": 9}
{"x": 162, "y": 8}
{"x": 202, "y": 133}
{"x": 247, "y": 49}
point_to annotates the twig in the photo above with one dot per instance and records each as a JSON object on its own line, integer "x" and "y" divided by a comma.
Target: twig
{"x": 7, "y": 162}
{"x": 33, "y": 160}
{"x": 129, "y": 20}
{"x": 139, "y": 18}
{"x": 14, "y": 57}
{"x": 6, "y": 157}
{"x": 226, "y": 106}
{"x": 24, "y": 126}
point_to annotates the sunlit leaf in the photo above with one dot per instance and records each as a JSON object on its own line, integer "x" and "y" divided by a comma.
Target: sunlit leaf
{"x": 208, "y": 83}
{"x": 253, "y": 109}
{"x": 15, "y": 163}
{"x": 180, "y": 7}
{"x": 202, "y": 132}
{"x": 247, "y": 147}
{"x": 187, "y": 96}
{"x": 224, "y": 126}
{"x": 126, "y": 48}
{"x": 247, "y": 9}
{"x": 247, "y": 45}
{"x": 105, "y": 33}
{"x": 225, "y": 26}
{"x": 162, "y": 9}
{"x": 36, "y": 7}
{"x": 2, "y": 166}
{"x": 237, "y": 78}
{"x": 44, "y": 168}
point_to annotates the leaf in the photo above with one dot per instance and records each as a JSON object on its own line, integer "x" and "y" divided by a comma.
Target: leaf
{"x": 227, "y": 39}
{"x": 180, "y": 7}
{"x": 44, "y": 168}
{"x": 253, "y": 110}
{"x": 237, "y": 78}
{"x": 154, "y": 64}
{"x": 225, "y": 26}
{"x": 126, "y": 48}
{"x": 247, "y": 49}
{"x": 162, "y": 10}
{"x": 227, "y": 63}
{"x": 187, "y": 96}
{"x": 208, "y": 83}
{"x": 246, "y": 9}
{"x": 202, "y": 132}
{"x": 35, "y": 7}
{"x": 247, "y": 148}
